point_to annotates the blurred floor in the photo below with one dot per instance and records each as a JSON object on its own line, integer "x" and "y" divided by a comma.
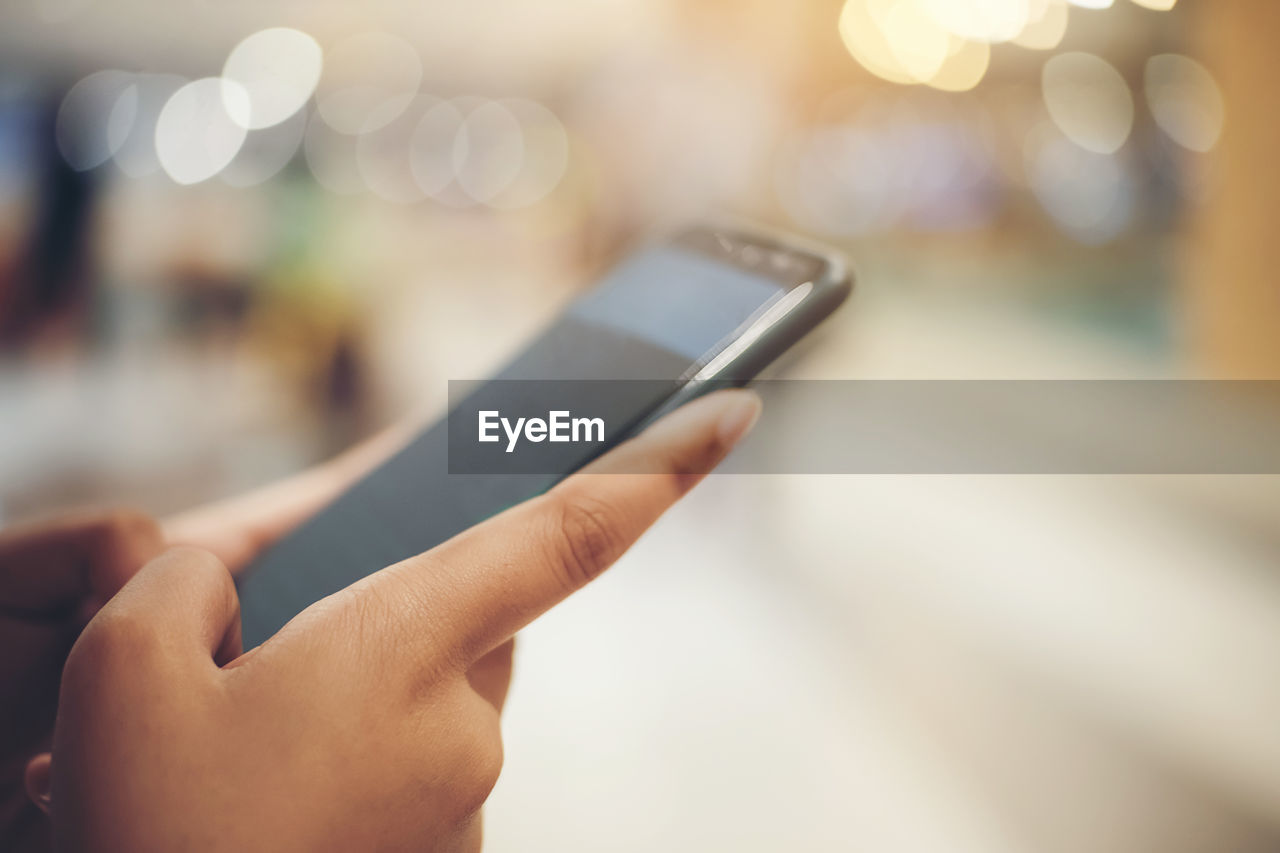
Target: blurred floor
{"x": 873, "y": 669}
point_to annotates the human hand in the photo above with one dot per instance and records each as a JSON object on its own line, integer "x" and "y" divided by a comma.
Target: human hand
{"x": 370, "y": 721}
{"x": 55, "y": 574}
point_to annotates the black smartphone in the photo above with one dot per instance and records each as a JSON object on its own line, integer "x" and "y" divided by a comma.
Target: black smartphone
{"x": 708, "y": 308}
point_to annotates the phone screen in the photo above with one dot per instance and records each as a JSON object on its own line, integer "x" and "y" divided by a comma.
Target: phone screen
{"x": 659, "y": 315}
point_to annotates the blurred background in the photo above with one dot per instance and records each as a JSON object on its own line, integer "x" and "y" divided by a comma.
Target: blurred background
{"x": 237, "y": 237}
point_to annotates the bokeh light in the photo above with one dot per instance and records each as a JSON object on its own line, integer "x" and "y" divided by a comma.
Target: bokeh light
{"x": 1091, "y": 196}
{"x": 1185, "y": 100}
{"x": 95, "y": 118}
{"x": 434, "y": 152}
{"x": 383, "y": 154}
{"x": 911, "y": 41}
{"x": 266, "y": 152}
{"x": 1158, "y": 5}
{"x": 867, "y": 43}
{"x": 331, "y": 157}
{"x": 136, "y": 156}
{"x": 545, "y": 156}
{"x": 277, "y": 69}
{"x": 488, "y": 152}
{"x": 963, "y": 68}
{"x": 1045, "y": 30}
{"x": 196, "y": 137}
{"x": 1088, "y": 100}
{"x": 919, "y": 44}
{"x": 981, "y": 20}
{"x": 366, "y": 76}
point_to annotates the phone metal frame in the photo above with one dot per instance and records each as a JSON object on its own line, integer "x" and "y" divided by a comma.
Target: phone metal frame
{"x": 773, "y": 328}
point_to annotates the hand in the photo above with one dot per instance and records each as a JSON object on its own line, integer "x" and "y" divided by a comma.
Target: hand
{"x": 56, "y": 574}
{"x": 370, "y": 721}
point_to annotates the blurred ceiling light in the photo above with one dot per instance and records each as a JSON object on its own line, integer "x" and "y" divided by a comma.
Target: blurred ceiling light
{"x": 1090, "y": 196}
{"x": 331, "y": 157}
{"x": 964, "y": 68}
{"x": 1089, "y": 101}
{"x": 383, "y": 155}
{"x": 904, "y": 42}
{"x": 867, "y": 44}
{"x": 196, "y": 138}
{"x": 95, "y": 118}
{"x": 1092, "y": 4}
{"x": 488, "y": 152}
{"x": 265, "y": 152}
{"x": 136, "y": 156}
{"x": 1046, "y": 31}
{"x": 1158, "y": 5}
{"x": 989, "y": 21}
{"x": 278, "y": 68}
{"x": 916, "y": 40}
{"x": 365, "y": 77}
{"x": 546, "y": 155}
{"x": 1185, "y": 100}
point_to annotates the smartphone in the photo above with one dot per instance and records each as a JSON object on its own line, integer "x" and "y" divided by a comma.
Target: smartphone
{"x": 708, "y": 308}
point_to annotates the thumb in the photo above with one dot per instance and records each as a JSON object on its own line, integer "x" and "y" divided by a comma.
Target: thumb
{"x": 37, "y": 780}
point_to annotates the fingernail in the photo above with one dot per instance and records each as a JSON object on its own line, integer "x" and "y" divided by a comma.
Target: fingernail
{"x": 38, "y": 780}
{"x": 739, "y": 417}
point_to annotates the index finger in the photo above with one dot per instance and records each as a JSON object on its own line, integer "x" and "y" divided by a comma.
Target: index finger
{"x": 480, "y": 587}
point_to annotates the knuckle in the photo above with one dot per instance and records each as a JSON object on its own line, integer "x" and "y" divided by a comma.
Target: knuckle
{"x": 112, "y": 640}
{"x": 367, "y": 609}
{"x": 187, "y": 566}
{"x": 587, "y": 539}
{"x": 190, "y": 561}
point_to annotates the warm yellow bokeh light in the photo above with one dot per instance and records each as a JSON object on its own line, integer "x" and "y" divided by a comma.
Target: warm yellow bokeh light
{"x": 1158, "y": 5}
{"x": 903, "y": 42}
{"x": 964, "y": 68}
{"x": 1046, "y": 31}
{"x": 866, "y": 43}
{"x": 992, "y": 21}
{"x": 917, "y": 42}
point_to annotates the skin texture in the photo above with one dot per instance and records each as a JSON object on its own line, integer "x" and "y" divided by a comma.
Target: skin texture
{"x": 371, "y": 720}
{"x": 54, "y": 575}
